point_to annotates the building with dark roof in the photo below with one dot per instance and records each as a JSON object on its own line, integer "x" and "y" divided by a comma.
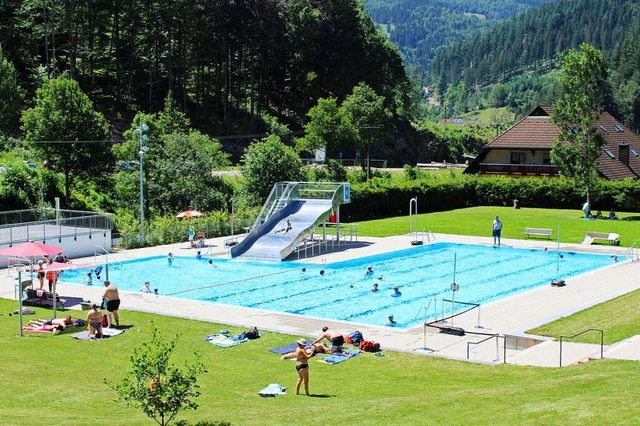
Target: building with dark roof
{"x": 525, "y": 149}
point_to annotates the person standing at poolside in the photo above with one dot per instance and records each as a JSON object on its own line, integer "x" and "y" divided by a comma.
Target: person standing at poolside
{"x": 112, "y": 297}
{"x": 335, "y": 337}
{"x": 496, "y": 227}
{"x": 41, "y": 273}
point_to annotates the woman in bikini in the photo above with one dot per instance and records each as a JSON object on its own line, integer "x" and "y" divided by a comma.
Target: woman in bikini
{"x": 302, "y": 367}
{"x": 41, "y": 273}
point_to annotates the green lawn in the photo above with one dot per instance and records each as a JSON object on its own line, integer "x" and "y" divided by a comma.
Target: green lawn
{"x": 477, "y": 221}
{"x": 48, "y": 380}
{"x": 57, "y": 380}
{"x": 619, "y": 318}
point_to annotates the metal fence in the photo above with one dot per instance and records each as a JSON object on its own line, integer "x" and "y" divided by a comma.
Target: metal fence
{"x": 20, "y": 226}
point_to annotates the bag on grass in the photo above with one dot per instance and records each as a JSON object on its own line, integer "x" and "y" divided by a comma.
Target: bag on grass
{"x": 105, "y": 321}
{"x": 252, "y": 334}
{"x": 369, "y": 346}
{"x": 355, "y": 337}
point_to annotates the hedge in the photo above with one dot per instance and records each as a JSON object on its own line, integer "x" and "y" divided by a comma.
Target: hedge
{"x": 380, "y": 198}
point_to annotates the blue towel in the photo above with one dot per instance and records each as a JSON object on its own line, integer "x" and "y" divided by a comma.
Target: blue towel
{"x": 223, "y": 341}
{"x": 288, "y": 348}
{"x": 340, "y": 356}
{"x": 272, "y": 390}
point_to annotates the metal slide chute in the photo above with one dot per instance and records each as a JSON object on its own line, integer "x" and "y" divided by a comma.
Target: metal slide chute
{"x": 305, "y": 205}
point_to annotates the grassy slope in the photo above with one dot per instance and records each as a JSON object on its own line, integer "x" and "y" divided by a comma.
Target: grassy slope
{"x": 619, "y": 318}
{"x": 477, "y": 221}
{"x": 58, "y": 380}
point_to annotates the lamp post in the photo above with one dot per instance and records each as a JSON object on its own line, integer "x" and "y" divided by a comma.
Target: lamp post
{"x": 143, "y": 149}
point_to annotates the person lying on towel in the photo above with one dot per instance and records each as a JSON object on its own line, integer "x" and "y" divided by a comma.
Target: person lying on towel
{"x": 62, "y": 322}
{"x": 315, "y": 348}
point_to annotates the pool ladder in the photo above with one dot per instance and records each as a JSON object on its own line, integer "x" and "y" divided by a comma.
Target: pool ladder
{"x": 633, "y": 252}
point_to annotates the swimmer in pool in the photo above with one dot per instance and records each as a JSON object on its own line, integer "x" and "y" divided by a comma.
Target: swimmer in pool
{"x": 396, "y": 291}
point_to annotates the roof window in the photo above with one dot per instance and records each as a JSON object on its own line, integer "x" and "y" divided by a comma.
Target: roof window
{"x": 634, "y": 152}
{"x": 609, "y": 153}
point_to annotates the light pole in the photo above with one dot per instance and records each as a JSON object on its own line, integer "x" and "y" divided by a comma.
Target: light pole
{"x": 143, "y": 149}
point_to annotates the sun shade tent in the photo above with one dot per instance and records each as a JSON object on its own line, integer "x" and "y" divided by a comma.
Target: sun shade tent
{"x": 28, "y": 250}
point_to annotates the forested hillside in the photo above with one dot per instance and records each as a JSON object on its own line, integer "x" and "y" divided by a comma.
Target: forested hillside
{"x": 420, "y": 27}
{"x": 227, "y": 64}
{"x": 530, "y": 41}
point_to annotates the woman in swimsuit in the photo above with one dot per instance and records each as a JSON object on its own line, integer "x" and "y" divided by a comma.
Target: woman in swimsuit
{"x": 41, "y": 274}
{"x": 302, "y": 367}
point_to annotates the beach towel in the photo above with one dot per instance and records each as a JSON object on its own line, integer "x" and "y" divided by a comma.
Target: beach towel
{"x": 36, "y": 330}
{"x": 106, "y": 333}
{"x": 290, "y": 347}
{"x": 273, "y": 389}
{"x": 223, "y": 341}
{"x": 340, "y": 356}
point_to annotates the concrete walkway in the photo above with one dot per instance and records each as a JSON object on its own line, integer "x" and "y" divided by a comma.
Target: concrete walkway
{"x": 511, "y": 316}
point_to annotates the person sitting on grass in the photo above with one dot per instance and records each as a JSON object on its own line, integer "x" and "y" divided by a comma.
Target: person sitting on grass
{"x": 94, "y": 318}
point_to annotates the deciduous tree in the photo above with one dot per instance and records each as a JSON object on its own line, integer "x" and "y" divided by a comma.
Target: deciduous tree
{"x": 67, "y": 131}
{"x": 265, "y": 163}
{"x": 157, "y": 387}
{"x": 578, "y": 146}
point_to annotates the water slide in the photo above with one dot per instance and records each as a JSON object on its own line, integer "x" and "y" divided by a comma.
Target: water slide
{"x": 304, "y": 205}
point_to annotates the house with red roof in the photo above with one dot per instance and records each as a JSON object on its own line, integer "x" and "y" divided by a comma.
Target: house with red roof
{"x": 525, "y": 149}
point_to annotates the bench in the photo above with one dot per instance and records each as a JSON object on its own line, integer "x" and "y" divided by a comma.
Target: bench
{"x": 538, "y": 232}
{"x": 609, "y": 237}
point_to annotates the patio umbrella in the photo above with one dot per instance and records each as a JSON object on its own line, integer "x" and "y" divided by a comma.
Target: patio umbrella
{"x": 30, "y": 249}
{"x": 190, "y": 213}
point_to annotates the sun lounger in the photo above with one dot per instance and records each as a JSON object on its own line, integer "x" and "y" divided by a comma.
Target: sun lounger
{"x": 42, "y": 298}
{"x": 609, "y": 237}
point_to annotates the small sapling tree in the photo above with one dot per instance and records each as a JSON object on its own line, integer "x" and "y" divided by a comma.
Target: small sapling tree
{"x": 157, "y": 387}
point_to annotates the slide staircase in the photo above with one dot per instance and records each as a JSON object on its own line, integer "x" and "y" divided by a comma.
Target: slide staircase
{"x": 305, "y": 205}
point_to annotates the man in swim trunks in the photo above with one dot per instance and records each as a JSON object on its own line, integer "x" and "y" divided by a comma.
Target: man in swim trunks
{"x": 336, "y": 338}
{"x": 63, "y": 322}
{"x": 112, "y": 297}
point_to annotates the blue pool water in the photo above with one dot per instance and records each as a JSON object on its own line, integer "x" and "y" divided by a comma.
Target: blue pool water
{"x": 424, "y": 274}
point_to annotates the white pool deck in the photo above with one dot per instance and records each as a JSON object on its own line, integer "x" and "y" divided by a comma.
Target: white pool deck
{"x": 513, "y": 315}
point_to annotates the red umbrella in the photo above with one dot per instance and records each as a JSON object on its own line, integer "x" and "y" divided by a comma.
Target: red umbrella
{"x": 190, "y": 213}
{"x": 30, "y": 249}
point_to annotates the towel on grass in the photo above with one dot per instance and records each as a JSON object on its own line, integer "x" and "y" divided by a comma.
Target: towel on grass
{"x": 273, "y": 389}
{"x": 340, "y": 356}
{"x": 36, "y": 330}
{"x": 106, "y": 333}
{"x": 290, "y": 347}
{"x": 223, "y": 341}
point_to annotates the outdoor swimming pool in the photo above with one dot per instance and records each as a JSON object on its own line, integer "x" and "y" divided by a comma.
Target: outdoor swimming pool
{"x": 343, "y": 292}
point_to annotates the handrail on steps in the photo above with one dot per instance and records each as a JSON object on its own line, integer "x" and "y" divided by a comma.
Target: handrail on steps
{"x": 496, "y": 336}
{"x": 582, "y": 332}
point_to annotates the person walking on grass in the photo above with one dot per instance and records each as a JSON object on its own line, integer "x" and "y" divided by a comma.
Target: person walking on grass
{"x": 112, "y": 297}
{"x": 496, "y": 231}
